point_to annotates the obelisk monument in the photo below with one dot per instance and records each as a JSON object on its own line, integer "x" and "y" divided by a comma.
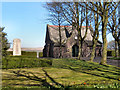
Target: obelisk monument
{"x": 16, "y": 47}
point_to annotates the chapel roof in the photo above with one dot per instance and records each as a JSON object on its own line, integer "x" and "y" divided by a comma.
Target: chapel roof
{"x": 66, "y": 32}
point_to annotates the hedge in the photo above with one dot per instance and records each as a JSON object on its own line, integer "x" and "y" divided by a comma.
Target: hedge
{"x": 13, "y": 62}
{"x": 110, "y": 52}
{"x": 26, "y": 53}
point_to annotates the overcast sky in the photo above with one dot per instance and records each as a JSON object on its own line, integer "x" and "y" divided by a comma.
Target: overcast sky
{"x": 26, "y": 21}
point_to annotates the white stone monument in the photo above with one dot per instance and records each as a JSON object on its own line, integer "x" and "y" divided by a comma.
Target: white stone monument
{"x": 37, "y": 54}
{"x": 16, "y": 47}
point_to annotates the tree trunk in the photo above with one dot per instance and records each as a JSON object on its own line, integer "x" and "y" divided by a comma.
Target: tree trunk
{"x": 119, "y": 47}
{"x": 95, "y": 36}
{"x": 116, "y": 54}
{"x": 60, "y": 49}
{"x": 79, "y": 30}
{"x": 93, "y": 50}
{"x": 81, "y": 48}
{"x": 104, "y": 30}
{"x": 79, "y": 54}
{"x": 104, "y": 53}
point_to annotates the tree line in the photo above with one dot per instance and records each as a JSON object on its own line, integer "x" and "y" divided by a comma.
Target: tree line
{"x": 101, "y": 17}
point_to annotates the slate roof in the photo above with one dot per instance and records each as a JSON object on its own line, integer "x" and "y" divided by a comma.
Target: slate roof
{"x": 54, "y": 33}
{"x": 66, "y": 32}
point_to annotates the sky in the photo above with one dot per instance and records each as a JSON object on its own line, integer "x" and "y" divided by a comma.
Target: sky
{"x": 27, "y": 21}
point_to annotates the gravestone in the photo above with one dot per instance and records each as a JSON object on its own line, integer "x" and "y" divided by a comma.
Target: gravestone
{"x": 16, "y": 47}
{"x": 37, "y": 54}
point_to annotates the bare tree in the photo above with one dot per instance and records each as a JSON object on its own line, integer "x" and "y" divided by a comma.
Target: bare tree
{"x": 56, "y": 18}
{"x": 95, "y": 31}
{"x": 105, "y": 10}
{"x": 113, "y": 28}
{"x": 76, "y": 16}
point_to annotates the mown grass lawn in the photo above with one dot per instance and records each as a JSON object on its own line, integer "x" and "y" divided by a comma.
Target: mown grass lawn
{"x": 63, "y": 73}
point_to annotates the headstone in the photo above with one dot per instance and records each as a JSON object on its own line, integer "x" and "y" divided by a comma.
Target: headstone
{"x": 16, "y": 47}
{"x": 37, "y": 54}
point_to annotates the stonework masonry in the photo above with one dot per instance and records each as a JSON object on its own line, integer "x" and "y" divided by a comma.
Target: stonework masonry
{"x": 70, "y": 44}
{"x": 16, "y": 47}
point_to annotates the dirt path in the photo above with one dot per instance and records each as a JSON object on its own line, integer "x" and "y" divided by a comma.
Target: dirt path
{"x": 109, "y": 61}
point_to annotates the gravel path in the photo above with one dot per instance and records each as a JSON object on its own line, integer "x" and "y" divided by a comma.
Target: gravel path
{"x": 109, "y": 61}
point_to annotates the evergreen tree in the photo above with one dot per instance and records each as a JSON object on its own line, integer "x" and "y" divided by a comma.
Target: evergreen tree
{"x": 5, "y": 44}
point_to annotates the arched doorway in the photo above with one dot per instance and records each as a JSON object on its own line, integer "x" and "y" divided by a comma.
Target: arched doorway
{"x": 75, "y": 50}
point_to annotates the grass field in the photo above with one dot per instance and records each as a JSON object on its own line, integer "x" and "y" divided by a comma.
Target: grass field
{"x": 63, "y": 73}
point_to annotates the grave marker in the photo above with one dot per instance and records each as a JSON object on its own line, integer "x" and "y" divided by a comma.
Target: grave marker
{"x": 16, "y": 47}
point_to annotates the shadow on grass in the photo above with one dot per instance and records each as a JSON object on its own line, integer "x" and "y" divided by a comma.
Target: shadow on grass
{"x": 114, "y": 73}
{"x": 52, "y": 79}
{"x": 106, "y": 66}
{"x": 99, "y": 75}
{"x": 27, "y": 84}
{"x": 102, "y": 70}
{"x": 33, "y": 77}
